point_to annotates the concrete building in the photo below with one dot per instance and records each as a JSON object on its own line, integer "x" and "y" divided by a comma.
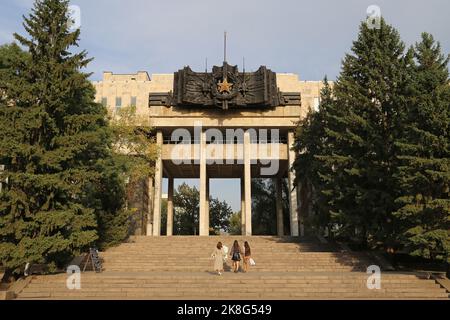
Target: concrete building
{"x": 205, "y": 156}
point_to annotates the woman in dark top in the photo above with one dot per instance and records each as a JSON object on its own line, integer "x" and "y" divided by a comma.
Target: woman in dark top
{"x": 235, "y": 254}
{"x": 247, "y": 256}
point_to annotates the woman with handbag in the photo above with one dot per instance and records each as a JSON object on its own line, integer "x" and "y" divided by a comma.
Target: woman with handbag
{"x": 218, "y": 256}
{"x": 235, "y": 254}
{"x": 247, "y": 256}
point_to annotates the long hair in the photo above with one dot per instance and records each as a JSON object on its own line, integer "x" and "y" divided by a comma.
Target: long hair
{"x": 248, "y": 251}
{"x": 219, "y": 245}
{"x": 236, "y": 246}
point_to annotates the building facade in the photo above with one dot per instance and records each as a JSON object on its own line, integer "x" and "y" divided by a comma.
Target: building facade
{"x": 219, "y": 124}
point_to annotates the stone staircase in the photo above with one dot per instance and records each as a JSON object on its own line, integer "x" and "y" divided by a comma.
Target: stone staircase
{"x": 180, "y": 268}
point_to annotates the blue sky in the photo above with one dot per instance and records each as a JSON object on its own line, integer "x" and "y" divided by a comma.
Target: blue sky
{"x": 309, "y": 38}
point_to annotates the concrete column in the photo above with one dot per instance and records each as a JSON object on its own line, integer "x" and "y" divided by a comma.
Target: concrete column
{"x": 279, "y": 202}
{"x": 170, "y": 208}
{"x": 207, "y": 204}
{"x": 150, "y": 191}
{"x": 242, "y": 206}
{"x": 203, "y": 220}
{"x": 248, "y": 184}
{"x": 158, "y": 187}
{"x": 293, "y": 203}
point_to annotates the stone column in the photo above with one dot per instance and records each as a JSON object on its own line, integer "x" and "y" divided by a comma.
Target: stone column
{"x": 207, "y": 205}
{"x": 248, "y": 184}
{"x": 158, "y": 187}
{"x": 203, "y": 220}
{"x": 279, "y": 202}
{"x": 242, "y": 206}
{"x": 293, "y": 203}
{"x": 150, "y": 206}
{"x": 170, "y": 208}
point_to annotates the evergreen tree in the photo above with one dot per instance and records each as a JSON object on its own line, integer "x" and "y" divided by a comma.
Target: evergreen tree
{"x": 353, "y": 164}
{"x": 264, "y": 217}
{"x": 55, "y": 146}
{"x": 9, "y": 55}
{"x": 424, "y": 171}
{"x": 373, "y": 88}
{"x": 314, "y": 142}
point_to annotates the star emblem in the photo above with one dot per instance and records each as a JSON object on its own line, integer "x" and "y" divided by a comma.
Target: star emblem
{"x": 224, "y": 86}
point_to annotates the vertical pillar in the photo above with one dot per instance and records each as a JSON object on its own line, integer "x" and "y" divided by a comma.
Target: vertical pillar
{"x": 170, "y": 208}
{"x": 293, "y": 202}
{"x": 279, "y": 202}
{"x": 247, "y": 184}
{"x": 150, "y": 206}
{"x": 207, "y": 205}
{"x": 158, "y": 187}
{"x": 242, "y": 180}
{"x": 203, "y": 223}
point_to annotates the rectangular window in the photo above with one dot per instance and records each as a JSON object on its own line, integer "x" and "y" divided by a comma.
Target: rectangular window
{"x": 134, "y": 101}
{"x": 105, "y": 101}
{"x": 118, "y": 102}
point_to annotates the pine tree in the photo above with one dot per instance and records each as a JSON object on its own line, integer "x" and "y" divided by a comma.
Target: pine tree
{"x": 314, "y": 141}
{"x": 372, "y": 87}
{"x": 54, "y": 143}
{"x": 424, "y": 172}
{"x": 349, "y": 149}
{"x": 9, "y": 55}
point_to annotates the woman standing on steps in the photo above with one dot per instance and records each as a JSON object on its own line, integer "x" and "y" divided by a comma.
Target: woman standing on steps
{"x": 247, "y": 256}
{"x": 235, "y": 254}
{"x": 218, "y": 255}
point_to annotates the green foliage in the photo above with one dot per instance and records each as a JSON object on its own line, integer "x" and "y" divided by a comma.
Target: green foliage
{"x": 376, "y": 152}
{"x": 133, "y": 142}
{"x": 235, "y": 224}
{"x": 186, "y": 215}
{"x": 10, "y": 55}
{"x": 63, "y": 187}
{"x": 186, "y": 201}
{"x": 424, "y": 153}
{"x": 264, "y": 217}
{"x": 220, "y": 213}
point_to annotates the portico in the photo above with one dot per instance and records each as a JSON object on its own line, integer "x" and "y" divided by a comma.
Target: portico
{"x": 244, "y": 132}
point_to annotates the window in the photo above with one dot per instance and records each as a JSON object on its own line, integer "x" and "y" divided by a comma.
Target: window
{"x": 134, "y": 101}
{"x": 105, "y": 101}
{"x": 118, "y": 102}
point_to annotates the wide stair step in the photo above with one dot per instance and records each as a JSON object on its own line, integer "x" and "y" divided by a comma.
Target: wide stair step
{"x": 181, "y": 268}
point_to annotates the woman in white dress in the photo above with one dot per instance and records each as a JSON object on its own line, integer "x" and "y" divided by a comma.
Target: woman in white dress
{"x": 218, "y": 255}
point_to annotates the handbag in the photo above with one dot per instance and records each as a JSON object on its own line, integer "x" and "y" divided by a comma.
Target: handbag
{"x": 252, "y": 262}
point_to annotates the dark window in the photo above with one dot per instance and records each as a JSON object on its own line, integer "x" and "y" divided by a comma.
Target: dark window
{"x": 118, "y": 102}
{"x": 134, "y": 101}
{"x": 105, "y": 101}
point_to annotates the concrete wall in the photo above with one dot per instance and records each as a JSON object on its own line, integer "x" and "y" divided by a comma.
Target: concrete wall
{"x": 140, "y": 85}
